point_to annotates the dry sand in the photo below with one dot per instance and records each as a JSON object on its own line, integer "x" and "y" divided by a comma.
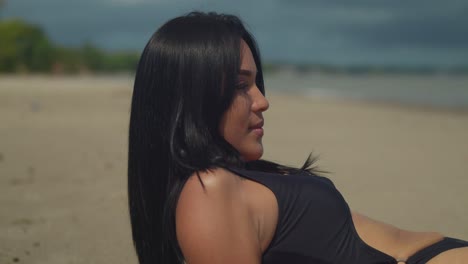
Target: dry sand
{"x": 63, "y": 144}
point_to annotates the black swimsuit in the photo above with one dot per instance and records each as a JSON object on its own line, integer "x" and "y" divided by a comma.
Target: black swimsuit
{"x": 303, "y": 236}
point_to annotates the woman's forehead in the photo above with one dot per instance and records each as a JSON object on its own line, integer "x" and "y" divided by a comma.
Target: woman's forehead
{"x": 248, "y": 62}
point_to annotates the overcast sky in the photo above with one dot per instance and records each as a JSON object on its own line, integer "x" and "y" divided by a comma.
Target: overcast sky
{"x": 388, "y": 32}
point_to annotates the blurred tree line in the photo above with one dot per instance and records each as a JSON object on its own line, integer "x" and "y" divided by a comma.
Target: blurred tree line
{"x": 25, "y": 48}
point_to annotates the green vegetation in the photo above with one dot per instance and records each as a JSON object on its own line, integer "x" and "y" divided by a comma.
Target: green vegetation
{"x": 25, "y": 48}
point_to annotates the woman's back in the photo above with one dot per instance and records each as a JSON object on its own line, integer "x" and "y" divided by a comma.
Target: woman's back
{"x": 214, "y": 222}
{"x": 295, "y": 218}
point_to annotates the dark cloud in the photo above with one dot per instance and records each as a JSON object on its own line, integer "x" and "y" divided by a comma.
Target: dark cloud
{"x": 444, "y": 30}
{"x": 73, "y": 22}
{"x": 401, "y": 5}
{"x": 343, "y": 32}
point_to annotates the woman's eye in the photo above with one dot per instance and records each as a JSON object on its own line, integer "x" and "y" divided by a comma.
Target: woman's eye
{"x": 242, "y": 86}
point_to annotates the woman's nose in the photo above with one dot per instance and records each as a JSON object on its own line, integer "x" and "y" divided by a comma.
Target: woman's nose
{"x": 260, "y": 103}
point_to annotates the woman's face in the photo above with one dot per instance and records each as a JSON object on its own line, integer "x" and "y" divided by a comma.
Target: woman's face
{"x": 242, "y": 124}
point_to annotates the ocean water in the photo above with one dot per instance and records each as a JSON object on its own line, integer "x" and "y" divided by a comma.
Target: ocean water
{"x": 445, "y": 91}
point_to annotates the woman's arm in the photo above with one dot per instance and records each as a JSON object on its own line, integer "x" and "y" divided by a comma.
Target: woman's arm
{"x": 214, "y": 225}
{"x": 452, "y": 256}
{"x": 392, "y": 240}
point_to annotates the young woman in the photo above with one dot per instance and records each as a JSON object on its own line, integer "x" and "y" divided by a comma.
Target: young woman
{"x": 198, "y": 190}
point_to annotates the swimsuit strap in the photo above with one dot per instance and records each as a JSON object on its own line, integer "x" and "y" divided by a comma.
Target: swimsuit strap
{"x": 427, "y": 253}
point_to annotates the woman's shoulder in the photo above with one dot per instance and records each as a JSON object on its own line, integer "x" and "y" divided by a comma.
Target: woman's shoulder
{"x": 211, "y": 213}
{"x": 209, "y": 188}
{"x": 209, "y": 183}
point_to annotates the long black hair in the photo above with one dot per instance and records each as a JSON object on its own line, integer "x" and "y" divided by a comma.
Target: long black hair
{"x": 184, "y": 83}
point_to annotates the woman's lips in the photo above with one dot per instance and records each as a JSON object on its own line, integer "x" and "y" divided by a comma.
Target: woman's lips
{"x": 258, "y": 131}
{"x": 258, "y": 128}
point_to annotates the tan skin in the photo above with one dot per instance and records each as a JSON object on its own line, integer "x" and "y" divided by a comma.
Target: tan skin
{"x": 233, "y": 219}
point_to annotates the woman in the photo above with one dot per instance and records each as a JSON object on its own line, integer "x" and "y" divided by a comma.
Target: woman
{"x": 198, "y": 191}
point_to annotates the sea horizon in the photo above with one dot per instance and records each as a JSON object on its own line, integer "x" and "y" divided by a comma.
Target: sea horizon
{"x": 445, "y": 91}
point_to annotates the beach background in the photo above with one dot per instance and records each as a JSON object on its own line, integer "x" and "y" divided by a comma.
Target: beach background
{"x": 378, "y": 90}
{"x": 63, "y": 160}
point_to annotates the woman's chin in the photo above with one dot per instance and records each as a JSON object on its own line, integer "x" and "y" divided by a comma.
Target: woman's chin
{"x": 254, "y": 154}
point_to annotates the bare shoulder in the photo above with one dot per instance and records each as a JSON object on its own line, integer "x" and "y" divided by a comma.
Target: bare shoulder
{"x": 206, "y": 189}
{"x": 213, "y": 220}
{"x": 213, "y": 180}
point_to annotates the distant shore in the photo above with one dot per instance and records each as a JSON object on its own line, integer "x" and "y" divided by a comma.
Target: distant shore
{"x": 438, "y": 92}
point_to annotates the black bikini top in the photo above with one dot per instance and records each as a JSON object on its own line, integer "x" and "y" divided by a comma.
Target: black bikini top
{"x": 314, "y": 223}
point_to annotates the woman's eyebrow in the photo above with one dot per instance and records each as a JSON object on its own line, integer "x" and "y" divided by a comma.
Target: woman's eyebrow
{"x": 247, "y": 72}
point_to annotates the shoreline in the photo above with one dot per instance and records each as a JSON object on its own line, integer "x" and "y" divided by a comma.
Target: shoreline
{"x": 123, "y": 81}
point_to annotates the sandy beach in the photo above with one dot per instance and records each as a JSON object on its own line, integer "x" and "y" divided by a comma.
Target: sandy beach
{"x": 63, "y": 160}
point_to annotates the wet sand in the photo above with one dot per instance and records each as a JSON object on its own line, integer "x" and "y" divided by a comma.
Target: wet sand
{"x": 63, "y": 144}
